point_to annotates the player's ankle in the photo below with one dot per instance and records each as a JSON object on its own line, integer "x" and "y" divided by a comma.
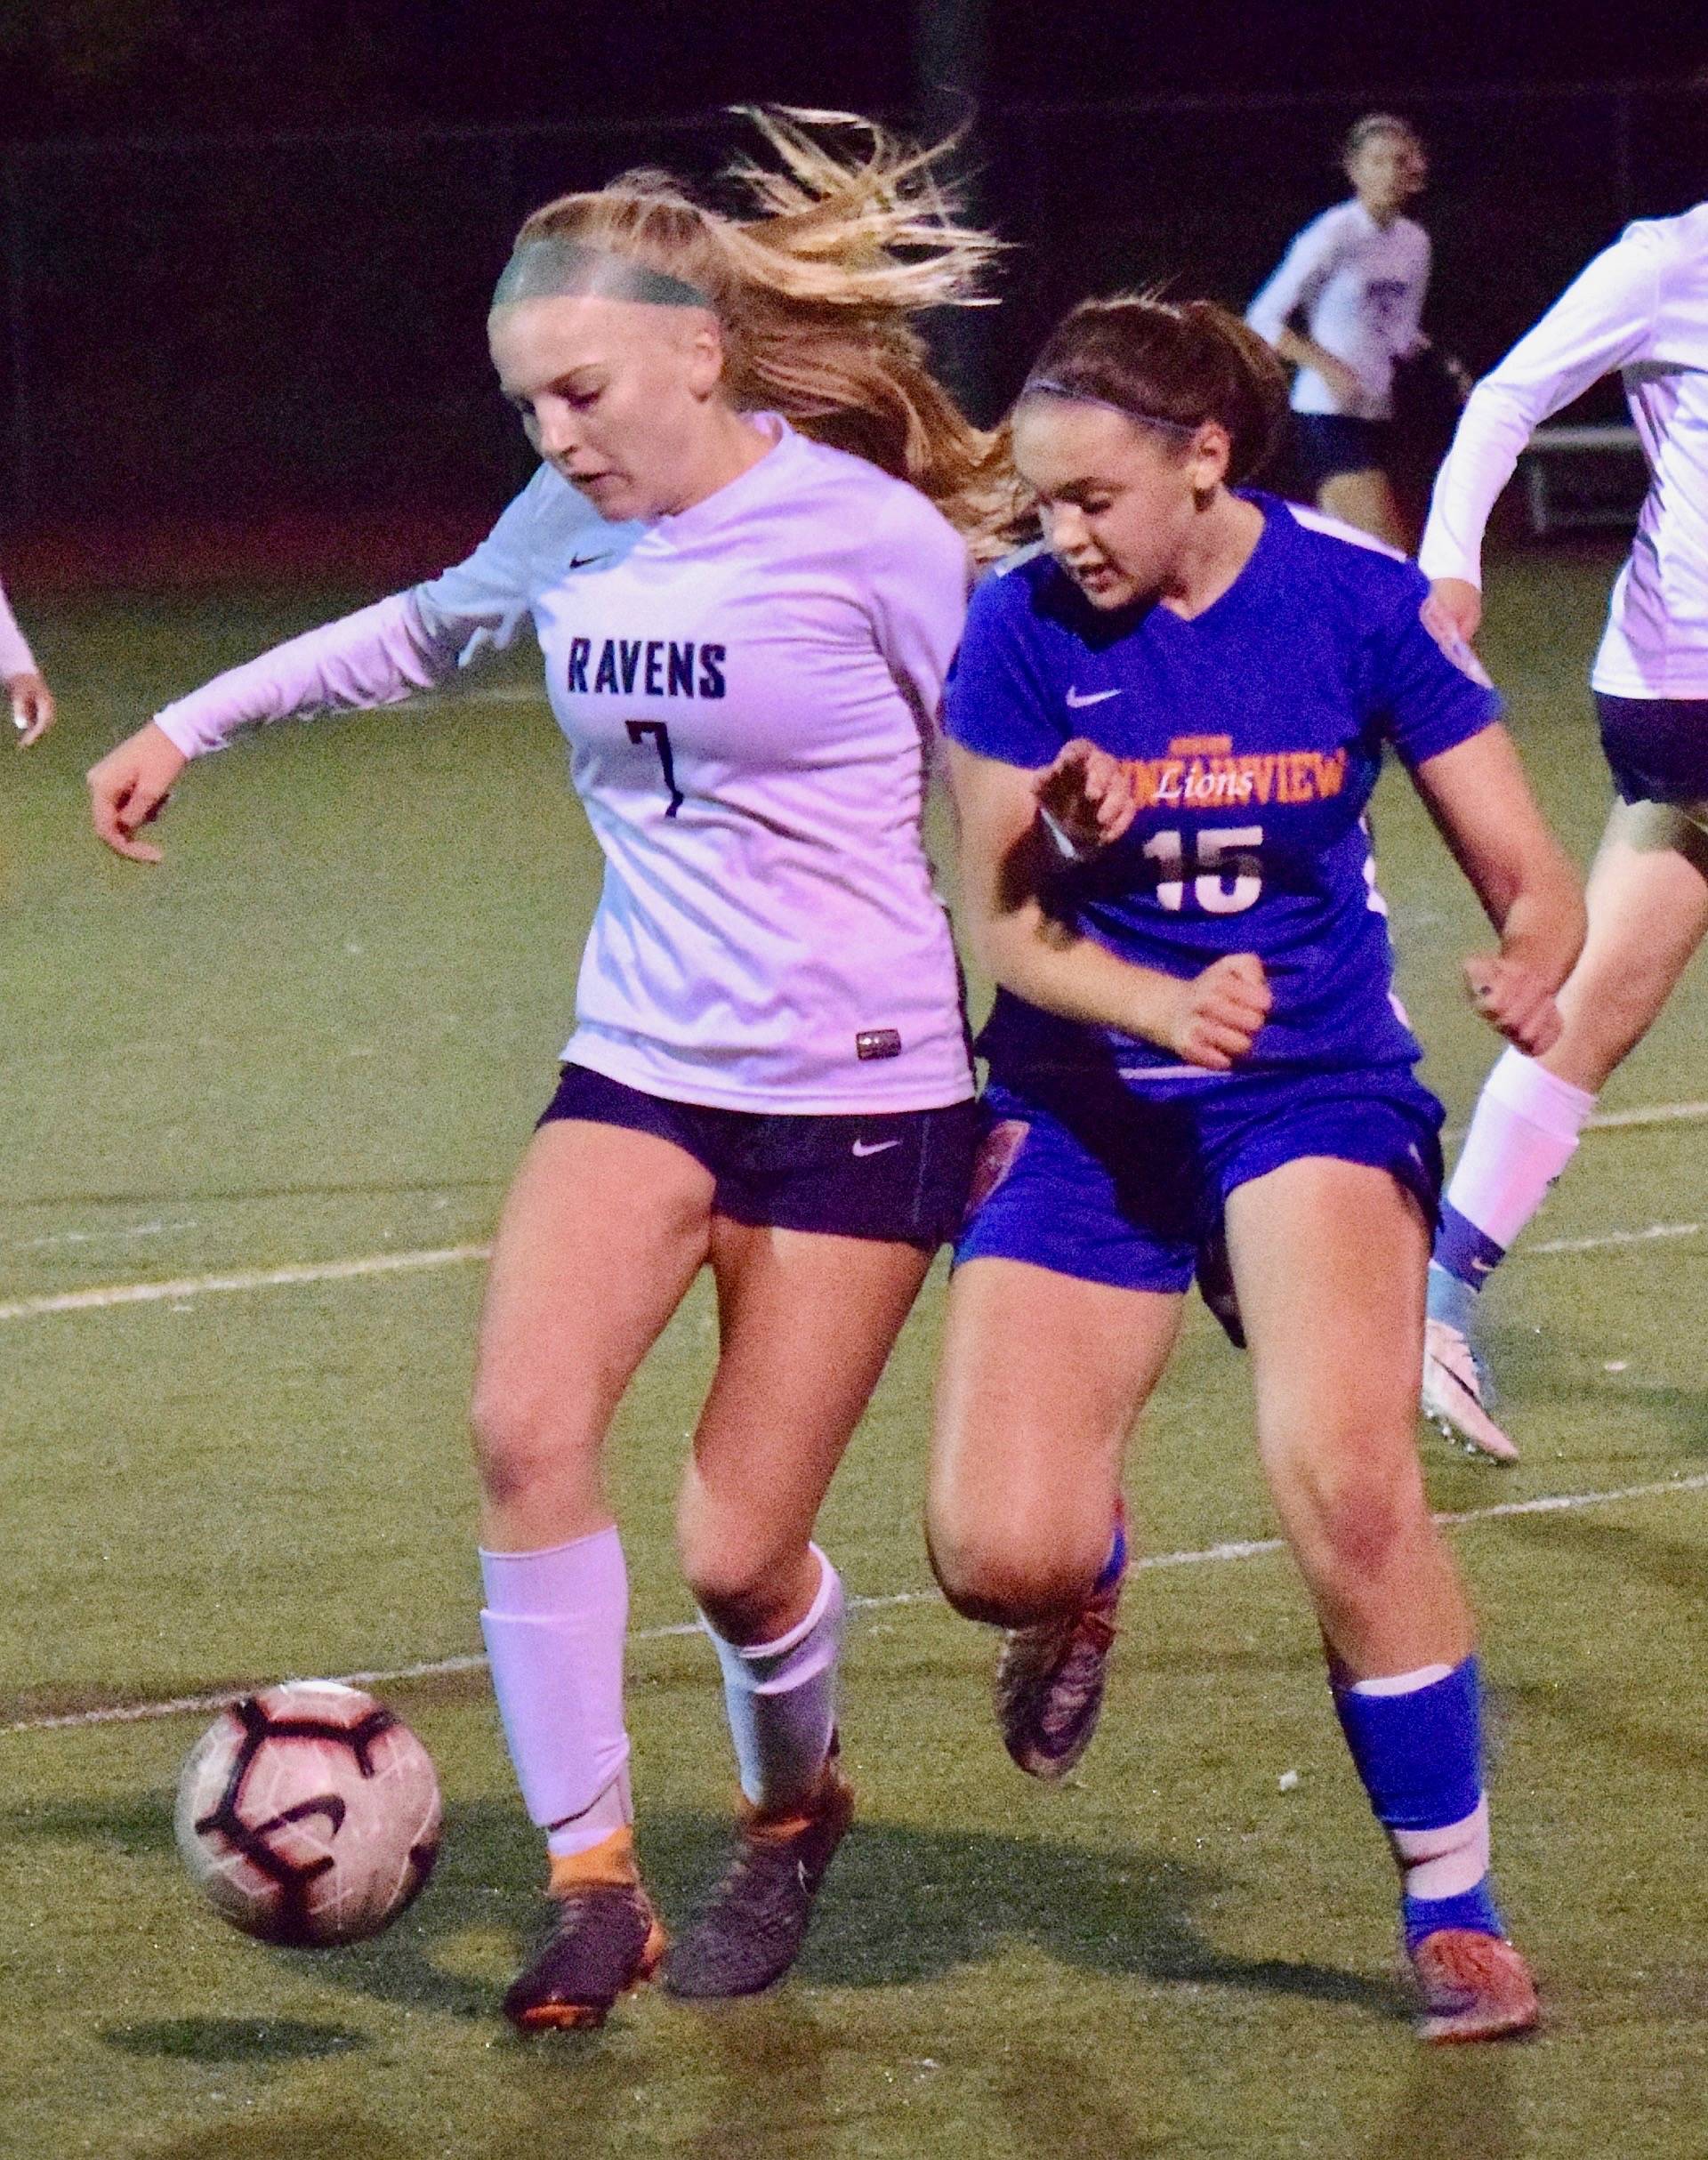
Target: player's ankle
{"x": 611, "y": 1863}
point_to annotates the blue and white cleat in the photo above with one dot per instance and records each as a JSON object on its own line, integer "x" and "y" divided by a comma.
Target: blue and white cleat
{"x": 1456, "y": 1385}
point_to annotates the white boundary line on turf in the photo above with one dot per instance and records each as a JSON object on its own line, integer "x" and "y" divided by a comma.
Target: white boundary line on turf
{"x": 440, "y": 1668}
{"x": 99, "y": 1300}
{"x": 185, "y": 1288}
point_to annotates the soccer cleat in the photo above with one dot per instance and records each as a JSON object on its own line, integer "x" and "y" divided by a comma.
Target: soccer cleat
{"x": 1472, "y": 1986}
{"x": 605, "y": 1941}
{"x": 755, "y": 1921}
{"x": 1050, "y": 1677}
{"x": 1453, "y": 1385}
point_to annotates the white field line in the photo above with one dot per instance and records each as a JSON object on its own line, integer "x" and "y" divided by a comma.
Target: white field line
{"x": 439, "y": 1668}
{"x": 1648, "y": 1114}
{"x": 185, "y": 1288}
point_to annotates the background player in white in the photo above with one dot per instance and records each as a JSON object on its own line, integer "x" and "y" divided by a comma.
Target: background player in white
{"x": 1356, "y": 278}
{"x": 32, "y": 702}
{"x": 745, "y": 634}
{"x": 1640, "y": 307}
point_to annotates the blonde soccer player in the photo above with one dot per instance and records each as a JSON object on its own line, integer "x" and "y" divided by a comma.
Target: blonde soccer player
{"x": 32, "y": 702}
{"x": 742, "y": 559}
{"x": 1344, "y": 306}
{"x": 1164, "y": 732}
{"x": 1640, "y": 308}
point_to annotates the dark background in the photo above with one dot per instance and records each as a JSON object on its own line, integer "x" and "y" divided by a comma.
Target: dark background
{"x": 247, "y": 247}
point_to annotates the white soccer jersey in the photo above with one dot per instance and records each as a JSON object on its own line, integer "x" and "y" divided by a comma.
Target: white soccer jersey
{"x": 750, "y": 692}
{"x": 1361, "y": 287}
{"x": 1641, "y": 307}
{"x": 15, "y": 656}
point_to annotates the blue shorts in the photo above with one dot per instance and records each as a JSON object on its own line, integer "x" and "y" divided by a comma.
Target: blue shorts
{"x": 1331, "y": 443}
{"x": 1657, "y": 747}
{"x": 1094, "y": 1179}
{"x": 901, "y": 1175}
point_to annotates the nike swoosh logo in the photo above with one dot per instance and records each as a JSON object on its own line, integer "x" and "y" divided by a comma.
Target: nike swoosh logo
{"x": 580, "y": 562}
{"x": 1077, "y": 698}
{"x": 874, "y": 1147}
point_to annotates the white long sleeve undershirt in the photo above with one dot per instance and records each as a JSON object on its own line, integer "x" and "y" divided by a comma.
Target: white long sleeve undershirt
{"x": 1640, "y": 308}
{"x": 15, "y": 656}
{"x": 378, "y": 656}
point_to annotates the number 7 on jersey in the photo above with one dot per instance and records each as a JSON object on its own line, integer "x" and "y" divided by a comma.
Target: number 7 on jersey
{"x": 639, "y": 731}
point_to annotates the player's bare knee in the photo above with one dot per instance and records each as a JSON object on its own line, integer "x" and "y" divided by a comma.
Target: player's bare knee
{"x": 521, "y": 1449}
{"x": 1358, "y": 1521}
{"x": 1008, "y": 1581}
{"x": 745, "y": 1592}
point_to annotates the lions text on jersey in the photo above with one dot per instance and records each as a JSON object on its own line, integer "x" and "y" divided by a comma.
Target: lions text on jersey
{"x": 1254, "y": 732}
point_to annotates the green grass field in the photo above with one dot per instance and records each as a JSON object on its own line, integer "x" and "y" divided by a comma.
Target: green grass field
{"x": 320, "y": 1034}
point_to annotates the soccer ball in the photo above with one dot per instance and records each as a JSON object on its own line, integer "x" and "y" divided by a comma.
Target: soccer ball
{"x": 309, "y": 1813}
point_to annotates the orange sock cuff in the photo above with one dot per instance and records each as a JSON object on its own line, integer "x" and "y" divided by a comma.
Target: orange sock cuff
{"x": 611, "y": 1861}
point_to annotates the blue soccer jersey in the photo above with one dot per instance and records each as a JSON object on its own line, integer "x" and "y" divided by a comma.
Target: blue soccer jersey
{"x": 1254, "y": 732}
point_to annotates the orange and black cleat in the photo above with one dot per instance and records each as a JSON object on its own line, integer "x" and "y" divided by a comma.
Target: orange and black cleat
{"x": 604, "y": 1942}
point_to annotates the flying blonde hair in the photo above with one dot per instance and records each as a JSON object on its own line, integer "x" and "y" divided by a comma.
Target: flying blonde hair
{"x": 816, "y": 291}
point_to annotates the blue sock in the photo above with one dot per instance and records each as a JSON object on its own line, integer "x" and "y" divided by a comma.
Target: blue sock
{"x": 1117, "y": 1559}
{"x": 1418, "y": 1749}
{"x": 1464, "y": 1251}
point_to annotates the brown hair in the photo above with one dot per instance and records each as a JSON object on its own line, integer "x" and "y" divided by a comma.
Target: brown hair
{"x": 816, "y": 291}
{"x": 1175, "y": 364}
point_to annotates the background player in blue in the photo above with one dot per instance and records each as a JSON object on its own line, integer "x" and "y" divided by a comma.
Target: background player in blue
{"x": 1164, "y": 733}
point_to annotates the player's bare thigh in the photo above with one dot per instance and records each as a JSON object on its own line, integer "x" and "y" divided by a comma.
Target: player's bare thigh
{"x": 1328, "y": 1261}
{"x": 1040, "y": 1379}
{"x": 601, "y": 1233}
{"x": 1367, "y": 500}
{"x": 1648, "y": 909}
{"x": 806, "y": 1323}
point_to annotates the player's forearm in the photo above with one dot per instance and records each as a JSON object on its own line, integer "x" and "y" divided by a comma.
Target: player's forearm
{"x": 1542, "y": 926}
{"x": 378, "y": 656}
{"x": 1055, "y": 967}
{"x": 1497, "y": 422}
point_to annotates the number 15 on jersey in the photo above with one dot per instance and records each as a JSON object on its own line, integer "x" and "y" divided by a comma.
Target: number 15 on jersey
{"x": 1223, "y": 868}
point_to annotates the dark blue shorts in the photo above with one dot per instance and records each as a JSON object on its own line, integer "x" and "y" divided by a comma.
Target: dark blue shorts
{"x": 1330, "y": 443}
{"x": 1657, "y": 747}
{"x": 901, "y": 1175}
{"x": 1097, "y": 1180}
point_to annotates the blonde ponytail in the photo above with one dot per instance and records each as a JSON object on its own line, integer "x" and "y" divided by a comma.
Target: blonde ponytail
{"x": 853, "y": 234}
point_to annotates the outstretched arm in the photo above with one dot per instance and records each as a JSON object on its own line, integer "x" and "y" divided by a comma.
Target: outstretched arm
{"x": 1601, "y": 322}
{"x": 1478, "y": 797}
{"x": 1210, "y": 1019}
{"x": 376, "y": 657}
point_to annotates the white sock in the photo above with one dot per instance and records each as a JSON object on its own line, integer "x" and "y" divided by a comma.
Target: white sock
{"x": 1523, "y": 1134}
{"x": 780, "y": 1698}
{"x": 554, "y": 1623}
{"x": 1447, "y": 1862}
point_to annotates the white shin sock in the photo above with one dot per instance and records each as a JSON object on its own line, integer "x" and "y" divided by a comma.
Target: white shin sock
{"x": 781, "y": 1698}
{"x": 554, "y": 1622}
{"x": 1523, "y": 1134}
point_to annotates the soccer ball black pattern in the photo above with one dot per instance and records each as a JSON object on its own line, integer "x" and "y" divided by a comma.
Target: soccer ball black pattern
{"x": 309, "y": 1813}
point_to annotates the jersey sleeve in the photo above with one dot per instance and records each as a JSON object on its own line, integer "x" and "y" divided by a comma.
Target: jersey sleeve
{"x": 1602, "y": 321}
{"x": 15, "y": 656}
{"x": 1294, "y": 283}
{"x": 919, "y": 582}
{"x": 1429, "y": 690}
{"x": 479, "y": 604}
{"x": 998, "y": 702}
{"x": 379, "y": 654}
